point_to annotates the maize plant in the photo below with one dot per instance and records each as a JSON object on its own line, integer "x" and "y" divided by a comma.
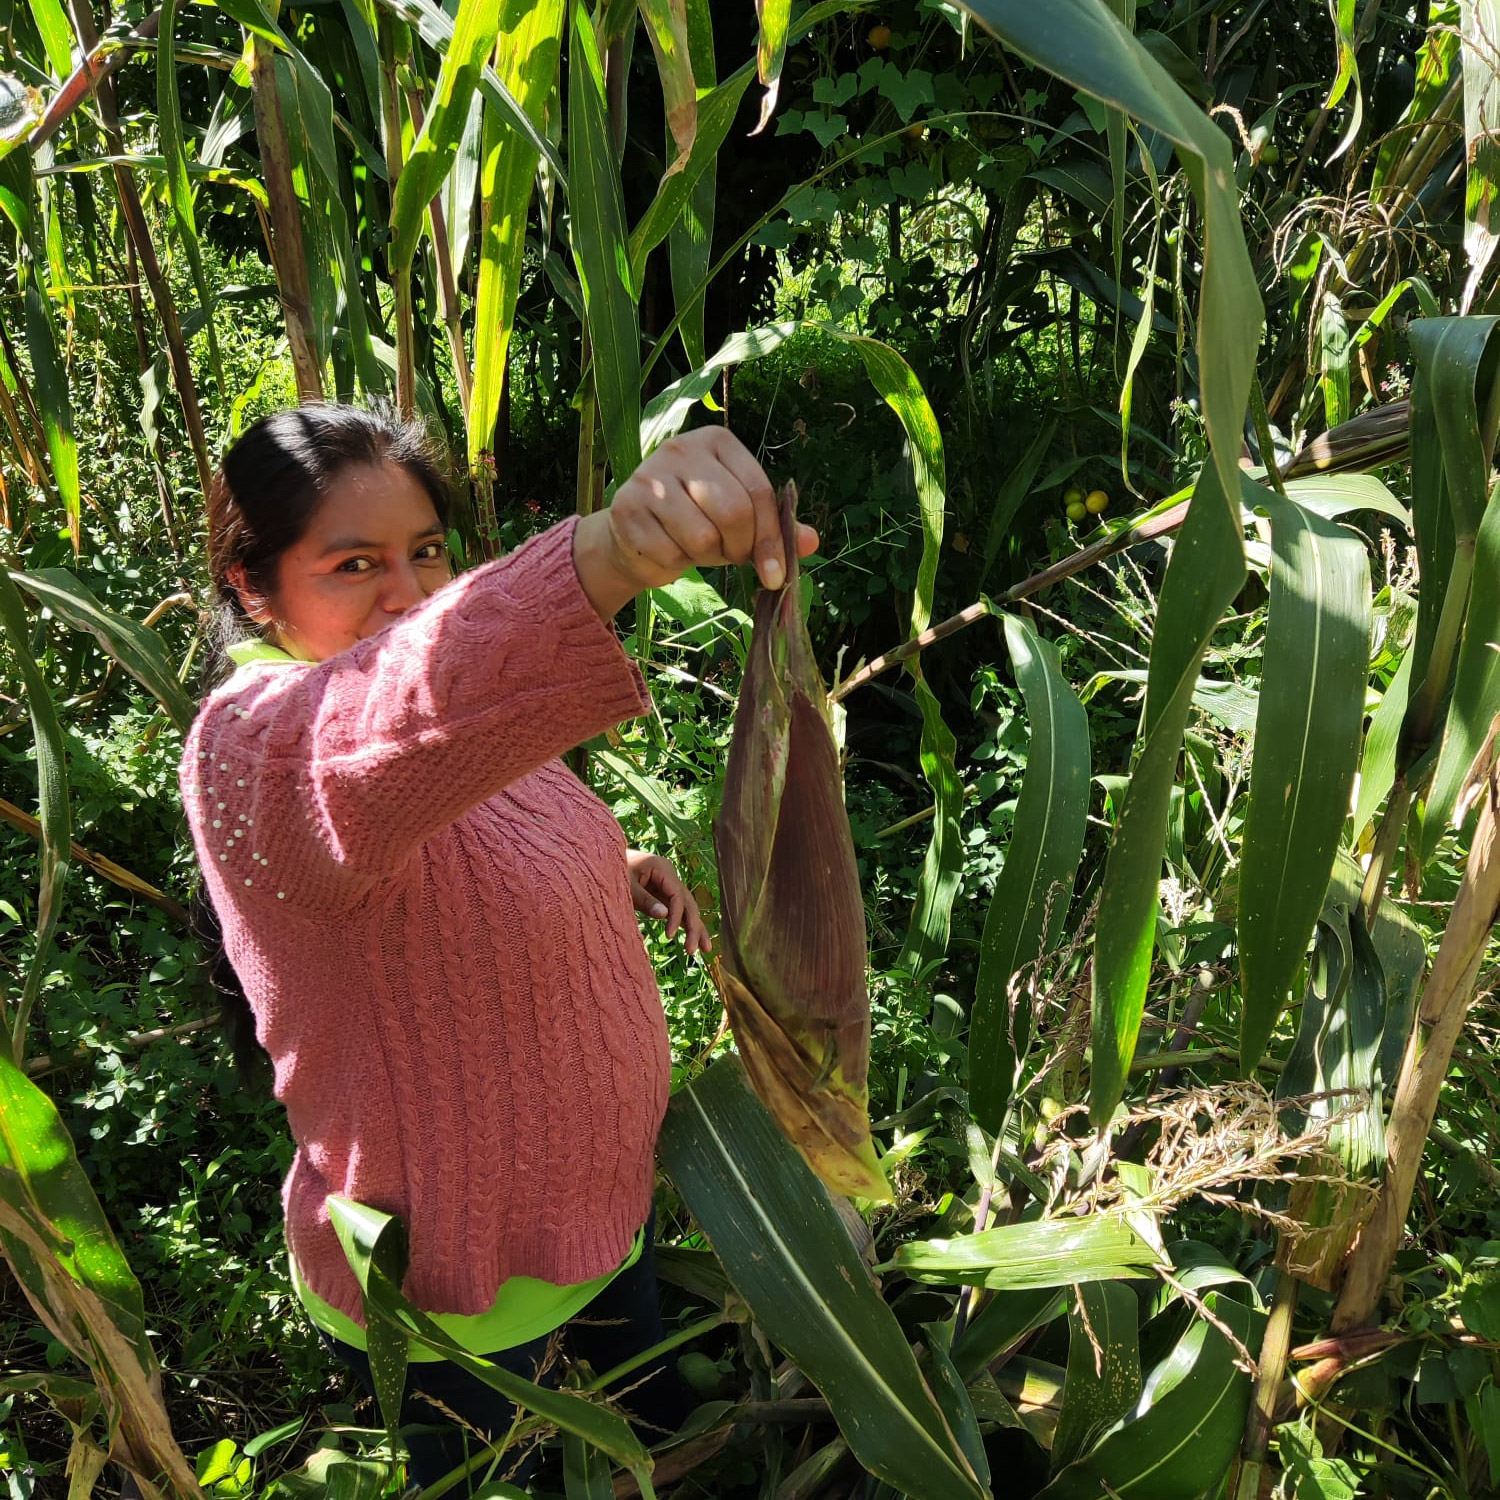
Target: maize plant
{"x": 793, "y": 970}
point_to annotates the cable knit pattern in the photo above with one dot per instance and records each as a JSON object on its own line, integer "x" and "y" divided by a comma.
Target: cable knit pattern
{"x": 432, "y": 919}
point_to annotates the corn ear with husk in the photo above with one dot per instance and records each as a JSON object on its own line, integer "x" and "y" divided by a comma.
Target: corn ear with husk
{"x": 792, "y": 970}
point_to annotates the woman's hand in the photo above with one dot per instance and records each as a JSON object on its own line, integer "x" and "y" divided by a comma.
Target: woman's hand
{"x": 658, "y": 891}
{"x": 700, "y": 500}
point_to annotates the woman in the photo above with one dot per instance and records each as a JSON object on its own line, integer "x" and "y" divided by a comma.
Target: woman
{"x": 432, "y": 919}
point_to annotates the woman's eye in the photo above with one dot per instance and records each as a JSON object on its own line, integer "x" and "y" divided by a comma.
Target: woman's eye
{"x": 354, "y": 565}
{"x": 430, "y": 552}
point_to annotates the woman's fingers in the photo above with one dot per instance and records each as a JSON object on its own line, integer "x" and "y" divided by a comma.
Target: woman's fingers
{"x": 766, "y": 550}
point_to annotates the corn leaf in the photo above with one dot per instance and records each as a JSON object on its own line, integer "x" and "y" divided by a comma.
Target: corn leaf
{"x": 667, "y": 27}
{"x": 788, "y": 1254}
{"x": 433, "y": 153}
{"x": 1104, "y": 1367}
{"x": 375, "y": 1245}
{"x": 1020, "y": 1257}
{"x": 56, "y": 34}
{"x": 70, "y": 1266}
{"x": 775, "y": 18}
{"x": 1476, "y": 685}
{"x": 1005, "y": 1320}
{"x": 1036, "y": 882}
{"x": 1307, "y": 737}
{"x": 136, "y": 647}
{"x": 1377, "y": 766}
{"x": 53, "y": 810}
{"x": 1205, "y": 573}
{"x": 1182, "y": 1434}
{"x": 601, "y": 251}
{"x": 690, "y": 243}
{"x": 530, "y": 42}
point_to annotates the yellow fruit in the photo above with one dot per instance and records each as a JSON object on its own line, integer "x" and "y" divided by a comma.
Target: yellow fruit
{"x": 1073, "y": 495}
{"x": 1077, "y": 511}
{"x": 915, "y": 131}
{"x": 879, "y": 37}
{"x": 1097, "y": 503}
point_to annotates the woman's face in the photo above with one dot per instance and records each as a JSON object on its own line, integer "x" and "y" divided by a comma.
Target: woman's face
{"x": 374, "y": 548}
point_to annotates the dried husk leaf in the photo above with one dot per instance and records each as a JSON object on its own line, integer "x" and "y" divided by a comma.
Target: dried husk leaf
{"x": 793, "y": 967}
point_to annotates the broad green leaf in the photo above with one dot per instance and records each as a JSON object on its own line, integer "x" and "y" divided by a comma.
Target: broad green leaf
{"x": 42, "y": 1181}
{"x": 375, "y": 1244}
{"x": 1041, "y": 861}
{"x": 1476, "y": 684}
{"x": 67, "y": 1261}
{"x": 601, "y": 251}
{"x": 1460, "y": 359}
{"x": 790, "y": 1257}
{"x": 1435, "y": 70}
{"x": 53, "y": 810}
{"x": 943, "y": 864}
{"x": 1082, "y": 42}
{"x": 136, "y": 647}
{"x": 1180, "y": 1438}
{"x": 1104, "y": 1367}
{"x": 56, "y": 33}
{"x": 530, "y": 42}
{"x": 1307, "y": 737}
{"x": 1206, "y": 570}
{"x": 433, "y": 153}
{"x": 948, "y": 1387}
{"x": 1341, "y": 12}
{"x": 586, "y": 1471}
{"x": 1333, "y": 360}
{"x": 1481, "y": 27}
{"x": 1018, "y": 1257}
{"x": 1334, "y": 495}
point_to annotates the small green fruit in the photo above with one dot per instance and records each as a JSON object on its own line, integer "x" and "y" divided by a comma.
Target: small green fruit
{"x": 700, "y": 1373}
{"x": 1270, "y": 154}
{"x": 1077, "y": 511}
{"x": 1072, "y": 495}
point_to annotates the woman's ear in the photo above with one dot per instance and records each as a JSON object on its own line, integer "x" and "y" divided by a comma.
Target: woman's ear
{"x": 255, "y": 606}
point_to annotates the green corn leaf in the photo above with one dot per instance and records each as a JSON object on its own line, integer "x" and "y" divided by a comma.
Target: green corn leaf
{"x": 1341, "y": 12}
{"x": 435, "y": 26}
{"x": 70, "y": 1266}
{"x": 790, "y": 1257}
{"x": 1333, "y": 360}
{"x": 179, "y": 185}
{"x": 433, "y": 153}
{"x": 1183, "y": 1433}
{"x": 460, "y": 190}
{"x": 1460, "y": 359}
{"x": 1041, "y": 861}
{"x": 948, "y": 1387}
{"x": 601, "y": 251}
{"x": 530, "y": 43}
{"x": 1082, "y": 42}
{"x": 375, "y": 1244}
{"x": 56, "y": 33}
{"x": 136, "y": 647}
{"x": 1205, "y": 573}
{"x": 53, "y": 810}
{"x": 586, "y": 1471}
{"x": 1104, "y": 1367}
{"x": 1307, "y": 738}
{"x": 1019, "y": 1257}
{"x": 1334, "y": 495}
{"x": 1435, "y": 64}
{"x": 1476, "y": 684}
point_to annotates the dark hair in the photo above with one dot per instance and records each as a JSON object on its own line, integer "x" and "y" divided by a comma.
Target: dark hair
{"x": 261, "y": 502}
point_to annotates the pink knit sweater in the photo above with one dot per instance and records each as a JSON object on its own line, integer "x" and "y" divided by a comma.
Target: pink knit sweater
{"x": 432, "y": 919}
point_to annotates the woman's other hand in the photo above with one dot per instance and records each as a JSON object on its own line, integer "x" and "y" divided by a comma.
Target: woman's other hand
{"x": 700, "y": 500}
{"x": 658, "y": 891}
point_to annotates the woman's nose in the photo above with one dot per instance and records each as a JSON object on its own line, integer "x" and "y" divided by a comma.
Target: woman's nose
{"x": 402, "y": 590}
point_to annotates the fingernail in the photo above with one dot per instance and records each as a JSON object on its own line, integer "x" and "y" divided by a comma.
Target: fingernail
{"x": 772, "y": 573}
{"x": 658, "y": 910}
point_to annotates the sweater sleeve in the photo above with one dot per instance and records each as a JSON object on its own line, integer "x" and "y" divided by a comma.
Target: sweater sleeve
{"x": 312, "y": 783}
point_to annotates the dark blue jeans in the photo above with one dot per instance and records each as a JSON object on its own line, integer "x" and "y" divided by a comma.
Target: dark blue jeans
{"x": 621, "y": 1322}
